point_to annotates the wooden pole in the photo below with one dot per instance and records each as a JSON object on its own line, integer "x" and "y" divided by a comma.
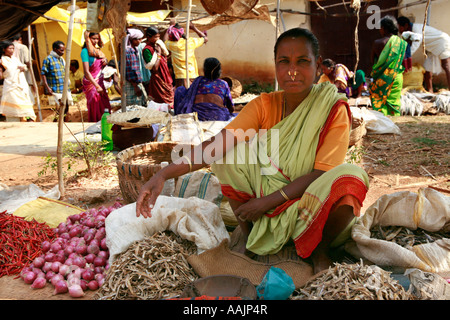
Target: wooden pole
{"x": 187, "y": 43}
{"x": 123, "y": 62}
{"x": 114, "y": 53}
{"x": 277, "y": 27}
{"x": 35, "y": 86}
{"x": 64, "y": 101}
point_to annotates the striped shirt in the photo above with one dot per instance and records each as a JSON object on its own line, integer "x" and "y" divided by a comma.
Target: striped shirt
{"x": 53, "y": 69}
{"x": 133, "y": 65}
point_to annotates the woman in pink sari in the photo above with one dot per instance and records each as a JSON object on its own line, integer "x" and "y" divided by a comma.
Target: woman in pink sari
{"x": 96, "y": 94}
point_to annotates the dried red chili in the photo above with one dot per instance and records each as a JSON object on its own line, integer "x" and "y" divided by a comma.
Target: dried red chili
{"x": 20, "y": 242}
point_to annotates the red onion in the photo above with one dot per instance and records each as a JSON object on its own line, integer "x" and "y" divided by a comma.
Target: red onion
{"x": 76, "y": 291}
{"x": 68, "y": 250}
{"x": 39, "y": 283}
{"x": 83, "y": 284}
{"x": 100, "y": 278}
{"x": 98, "y": 270}
{"x": 60, "y": 257}
{"x": 29, "y": 277}
{"x": 92, "y": 285}
{"x": 88, "y": 236}
{"x": 57, "y": 277}
{"x": 103, "y": 244}
{"x": 46, "y": 246}
{"x": 88, "y": 275}
{"x": 39, "y": 262}
{"x": 89, "y": 222}
{"x": 55, "y": 247}
{"x": 69, "y": 261}
{"x": 60, "y": 287}
{"x": 49, "y": 256}
{"x": 81, "y": 249}
{"x": 65, "y": 235}
{"x": 64, "y": 270}
{"x": 74, "y": 217}
{"x": 49, "y": 275}
{"x": 47, "y": 266}
{"x": 25, "y": 270}
{"x": 55, "y": 266}
{"x": 80, "y": 261}
{"x": 99, "y": 261}
{"x": 90, "y": 258}
{"x": 75, "y": 231}
{"x": 103, "y": 254}
{"x": 95, "y": 241}
{"x": 93, "y": 248}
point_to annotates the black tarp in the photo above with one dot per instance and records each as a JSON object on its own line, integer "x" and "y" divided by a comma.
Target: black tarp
{"x": 14, "y": 17}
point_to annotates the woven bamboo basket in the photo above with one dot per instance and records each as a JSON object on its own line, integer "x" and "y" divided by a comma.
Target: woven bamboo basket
{"x": 137, "y": 164}
{"x": 358, "y": 131}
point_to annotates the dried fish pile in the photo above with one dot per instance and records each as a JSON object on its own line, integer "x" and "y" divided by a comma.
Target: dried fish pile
{"x": 353, "y": 282}
{"x": 406, "y": 237}
{"x": 151, "y": 269}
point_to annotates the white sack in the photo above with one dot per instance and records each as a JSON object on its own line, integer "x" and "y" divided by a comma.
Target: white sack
{"x": 428, "y": 209}
{"x": 375, "y": 121}
{"x": 192, "y": 219}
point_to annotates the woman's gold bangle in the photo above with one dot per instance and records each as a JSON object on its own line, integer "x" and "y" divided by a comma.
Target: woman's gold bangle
{"x": 284, "y": 194}
{"x": 189, "y": 162}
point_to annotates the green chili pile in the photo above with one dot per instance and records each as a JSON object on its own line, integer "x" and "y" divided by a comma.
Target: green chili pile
{"x": 20, "y": 242}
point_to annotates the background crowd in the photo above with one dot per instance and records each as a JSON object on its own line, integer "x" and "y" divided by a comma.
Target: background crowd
{"x": 156, "y": 70}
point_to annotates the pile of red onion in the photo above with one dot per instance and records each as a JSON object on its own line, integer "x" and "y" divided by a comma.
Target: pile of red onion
{"x": 77, "y": 259}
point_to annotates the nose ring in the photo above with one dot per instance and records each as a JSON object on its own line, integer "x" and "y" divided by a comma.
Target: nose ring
{"x": 292, "y": 75}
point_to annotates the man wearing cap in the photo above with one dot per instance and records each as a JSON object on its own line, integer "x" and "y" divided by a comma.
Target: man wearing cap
{"x": 133, "y": 78}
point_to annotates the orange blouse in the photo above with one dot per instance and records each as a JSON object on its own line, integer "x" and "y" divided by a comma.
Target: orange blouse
{"x": 265, "y": 111}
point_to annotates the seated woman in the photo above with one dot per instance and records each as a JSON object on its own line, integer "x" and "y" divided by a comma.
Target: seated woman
{"x": 289, "y": 182}
{"x": 345, "y": 80}
{"x": 208, "y": 95}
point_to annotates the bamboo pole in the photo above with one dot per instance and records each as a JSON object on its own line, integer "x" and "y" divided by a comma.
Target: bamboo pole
{"x": 35, "y": 86}
{"x": 187, "y": 43}
{"x": 277, "y": 28}
{"x": 64, "y": 101}
{"x": 123, "y": 63}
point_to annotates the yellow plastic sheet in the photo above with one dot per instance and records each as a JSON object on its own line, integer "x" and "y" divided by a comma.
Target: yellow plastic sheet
{"x": 50, "y": 211}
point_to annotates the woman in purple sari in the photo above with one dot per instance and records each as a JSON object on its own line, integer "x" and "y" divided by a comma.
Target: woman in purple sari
{"x": 208, "y": 95}
{"x": 96, "y": 95}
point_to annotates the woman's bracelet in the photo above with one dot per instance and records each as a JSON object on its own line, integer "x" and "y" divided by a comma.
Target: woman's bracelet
{"x": 284, "y": 194}
{"x": 189, "y": 162}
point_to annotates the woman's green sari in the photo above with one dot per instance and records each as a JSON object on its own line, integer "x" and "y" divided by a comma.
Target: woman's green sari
{"x": 387, "y": 74}
{"x": 275, "y": 158}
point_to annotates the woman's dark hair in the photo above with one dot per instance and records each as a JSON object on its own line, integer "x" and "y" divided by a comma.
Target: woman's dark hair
{"x": 329, "y": 63}
{"x": 90, "y": 35}
{"x": 5, "y": 44}
{"x": 212, "y": 68}
{"x": 389, "y": 23}
{"x": 299, "y": 33}
{"x": 57, "y": 44}
{"x": 151, "y": 31}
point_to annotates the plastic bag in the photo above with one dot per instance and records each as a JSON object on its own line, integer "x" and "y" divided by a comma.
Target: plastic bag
{"x": 376, "y": 122}
{"x": 276, "y": 285}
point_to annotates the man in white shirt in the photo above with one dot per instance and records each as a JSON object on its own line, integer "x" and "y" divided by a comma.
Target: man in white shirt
{"x": 437, "y": 45}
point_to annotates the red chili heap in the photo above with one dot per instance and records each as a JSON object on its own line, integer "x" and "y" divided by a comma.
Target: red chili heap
{"x": 20, "y": 242}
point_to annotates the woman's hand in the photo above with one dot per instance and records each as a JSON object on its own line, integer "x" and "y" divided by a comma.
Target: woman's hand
{"x": 252, "y": 210}
{"x": 148, "y": 194}
{"x": 99, "y": 89}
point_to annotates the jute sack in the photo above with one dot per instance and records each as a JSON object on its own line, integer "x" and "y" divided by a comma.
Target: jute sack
{"x": 428, "y": 209}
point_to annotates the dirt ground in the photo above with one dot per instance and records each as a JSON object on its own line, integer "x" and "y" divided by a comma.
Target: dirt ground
{"x": 418, "y": 158}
